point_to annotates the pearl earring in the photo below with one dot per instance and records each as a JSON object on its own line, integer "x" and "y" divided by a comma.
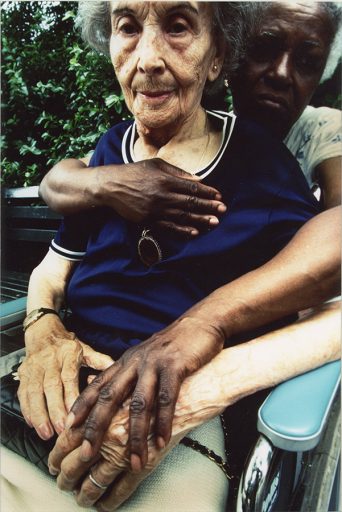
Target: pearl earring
{"x": 215, "y": 67}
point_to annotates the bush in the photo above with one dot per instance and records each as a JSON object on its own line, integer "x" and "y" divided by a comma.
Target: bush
{"x": 58, "y": 96}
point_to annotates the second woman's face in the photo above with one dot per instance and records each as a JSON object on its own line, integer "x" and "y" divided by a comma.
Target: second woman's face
{"x": 162, "y": 53}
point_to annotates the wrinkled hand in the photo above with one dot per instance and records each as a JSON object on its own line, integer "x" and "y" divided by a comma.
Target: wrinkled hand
{"x": 113, "y": 462}
{"x": 153, "y": 373}
{"x": 156, "y": 192}
{"x": 49, "y": 374}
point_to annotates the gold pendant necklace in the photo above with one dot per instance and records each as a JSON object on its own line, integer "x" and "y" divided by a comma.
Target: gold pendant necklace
{"x": 148, "y": 249}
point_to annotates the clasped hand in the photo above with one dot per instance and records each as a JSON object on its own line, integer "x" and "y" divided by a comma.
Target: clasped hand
{"x": 152, "y": 374}
{"x": 49, "y": 374}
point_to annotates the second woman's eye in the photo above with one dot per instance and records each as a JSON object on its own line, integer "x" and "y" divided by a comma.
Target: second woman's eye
{"x": 177, "y": 26}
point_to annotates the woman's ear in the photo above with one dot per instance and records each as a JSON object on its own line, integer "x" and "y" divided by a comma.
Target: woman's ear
{"x": 217, "y": 62}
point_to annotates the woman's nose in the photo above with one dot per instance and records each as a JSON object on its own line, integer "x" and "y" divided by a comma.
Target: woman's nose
{"x": 150, "y": 53}
{"x": 281, "y": 69}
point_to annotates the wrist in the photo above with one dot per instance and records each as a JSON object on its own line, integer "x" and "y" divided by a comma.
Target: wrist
{"x": 103, "y": 187}
{"x": 49, "y": 330}
{"x": 215, "y": 313}
{"x": 35, "y": 315}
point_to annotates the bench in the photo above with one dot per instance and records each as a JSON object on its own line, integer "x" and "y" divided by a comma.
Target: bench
{"x": 28, "y": 226}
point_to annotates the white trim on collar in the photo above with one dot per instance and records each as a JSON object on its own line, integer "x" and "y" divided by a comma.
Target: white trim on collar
{"x": 128, "y": 139}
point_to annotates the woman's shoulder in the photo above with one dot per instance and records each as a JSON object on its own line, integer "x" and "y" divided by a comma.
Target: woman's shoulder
{"x": 314, "y": 120}
{"x": 116, "y": 133}
{"x": 109, "y": 147}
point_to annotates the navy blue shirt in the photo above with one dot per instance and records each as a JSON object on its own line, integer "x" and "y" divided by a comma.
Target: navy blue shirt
{"x": 117, "y": 301}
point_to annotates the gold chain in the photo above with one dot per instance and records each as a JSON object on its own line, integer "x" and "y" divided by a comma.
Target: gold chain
{"x": 210, "y": 454}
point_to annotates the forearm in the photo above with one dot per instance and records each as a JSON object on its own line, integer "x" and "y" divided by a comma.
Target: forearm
{"x": 46, "y": 289}
{"x": 259, "y": 364}
{"x": 47, "y": 283}
{"x": 305, "y": 273}
{"x": 70, "y": 186}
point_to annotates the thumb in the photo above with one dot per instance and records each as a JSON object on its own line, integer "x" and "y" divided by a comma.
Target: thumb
{"x": 94, "y": 359}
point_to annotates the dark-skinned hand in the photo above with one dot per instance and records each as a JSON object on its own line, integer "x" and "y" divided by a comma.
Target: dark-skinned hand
{"x": 152, "y": 374}
{"x": 155, "y": 192}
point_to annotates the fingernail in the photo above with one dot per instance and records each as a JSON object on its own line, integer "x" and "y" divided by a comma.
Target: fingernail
{"x": 86, "y": 451}
{"x": 160, "y": 442}
{"x": 53, "y": 471}
{"x": 69, "y": 420}
{"x": 44, "y": 431}
{"x": 218, "y": 197}
{"x": 135, "y": 463}
{"x": 222, "y": 208}
{"x": 213, "y": 221}
{"x": 60, "y": 426}
{"x": 194, "y": 232}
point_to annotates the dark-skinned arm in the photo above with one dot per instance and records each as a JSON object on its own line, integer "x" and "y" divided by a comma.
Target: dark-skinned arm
{"x": 305, "y": 273}
{"x": 150, "y": 191}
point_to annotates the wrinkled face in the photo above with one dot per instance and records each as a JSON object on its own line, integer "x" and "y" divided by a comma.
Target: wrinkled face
{"x": 284, "y": 63}
{"x": 163, "y": 53}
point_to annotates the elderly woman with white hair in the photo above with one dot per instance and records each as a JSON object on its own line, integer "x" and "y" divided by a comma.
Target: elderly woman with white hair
{"x": 160, "y": 304}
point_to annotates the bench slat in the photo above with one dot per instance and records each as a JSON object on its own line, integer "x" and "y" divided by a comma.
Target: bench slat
{"x": 21, "y": 192}
{"x": 32, "y": 235}
{"x": 31, "y": 212}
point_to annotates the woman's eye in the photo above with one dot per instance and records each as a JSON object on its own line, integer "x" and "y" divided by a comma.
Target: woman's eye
{"x": 263, "y": 50}
{"x": 128, "y": 28}
{"x": 309, "y": 64}
{"x": 177, "y": 26}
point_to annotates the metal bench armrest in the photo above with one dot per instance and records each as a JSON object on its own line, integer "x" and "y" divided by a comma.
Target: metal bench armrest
{"x": 294, "y": 414}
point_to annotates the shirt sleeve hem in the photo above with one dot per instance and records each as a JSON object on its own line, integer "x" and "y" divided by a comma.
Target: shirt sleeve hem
{"x": 66, "y": 253}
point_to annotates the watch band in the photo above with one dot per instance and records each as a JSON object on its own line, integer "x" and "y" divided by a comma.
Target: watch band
{"x": 35, "y": 315}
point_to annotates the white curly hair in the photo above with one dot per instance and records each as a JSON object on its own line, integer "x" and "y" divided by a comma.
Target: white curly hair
{"x": 236, "y": 21}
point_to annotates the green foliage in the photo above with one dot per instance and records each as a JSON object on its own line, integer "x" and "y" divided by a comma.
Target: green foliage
{"x": 58, "y": 96}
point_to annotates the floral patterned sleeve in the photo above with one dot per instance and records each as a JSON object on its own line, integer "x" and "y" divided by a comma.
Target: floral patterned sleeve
{"x": 315, "y": 137}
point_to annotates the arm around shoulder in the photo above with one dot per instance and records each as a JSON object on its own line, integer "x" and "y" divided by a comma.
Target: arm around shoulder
{"x": 69, "y": 186}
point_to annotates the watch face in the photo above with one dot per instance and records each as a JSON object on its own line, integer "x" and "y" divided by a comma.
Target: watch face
{"x": 34, "y": 315}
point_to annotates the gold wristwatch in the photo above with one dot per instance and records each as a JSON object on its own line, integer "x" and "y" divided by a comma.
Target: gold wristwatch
{"x": 35, "y": 315}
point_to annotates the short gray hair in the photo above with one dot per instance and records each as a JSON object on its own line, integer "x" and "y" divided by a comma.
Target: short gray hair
{"x": 239, "y": 20}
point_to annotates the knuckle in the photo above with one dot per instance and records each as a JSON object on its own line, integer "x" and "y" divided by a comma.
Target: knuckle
{"x": 184, "y": 217}
{"x": 92, "y": 428}
{"x": 164, "y": 398}
{"x": 136, "y": 442}
{"x": 191, "y": 201}
{"x": 194, "y": 187}
{"x": 138, "y": 404}
{"x": 106, "y": 395}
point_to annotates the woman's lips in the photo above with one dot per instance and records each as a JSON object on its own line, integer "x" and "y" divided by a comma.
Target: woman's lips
{"x": 155, "y": 97}
{"x": 274, "y": 102}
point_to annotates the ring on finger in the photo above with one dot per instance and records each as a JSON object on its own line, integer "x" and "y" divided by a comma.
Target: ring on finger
{"x": 95, "y": 482}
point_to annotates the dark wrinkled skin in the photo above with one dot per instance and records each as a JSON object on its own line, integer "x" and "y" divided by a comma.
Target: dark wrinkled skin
{"x": 152, "y": 373}
{"x": 155, "y": 192}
